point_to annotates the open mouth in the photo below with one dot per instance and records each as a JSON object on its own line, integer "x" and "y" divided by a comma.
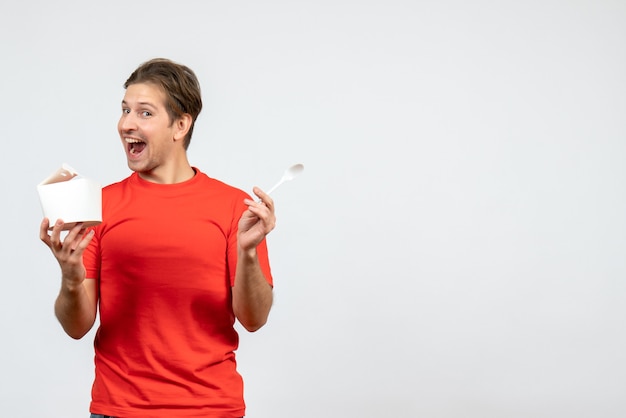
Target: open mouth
{"x": 135, "y": 146}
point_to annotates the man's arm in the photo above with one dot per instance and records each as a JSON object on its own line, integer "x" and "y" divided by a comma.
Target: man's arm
{"x": 76, "y": 304}
{"x": 75, "y": 307}
{"x": 252, "y": 294}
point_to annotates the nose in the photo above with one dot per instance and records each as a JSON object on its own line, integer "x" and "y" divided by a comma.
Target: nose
{"x": 127, "y": 123}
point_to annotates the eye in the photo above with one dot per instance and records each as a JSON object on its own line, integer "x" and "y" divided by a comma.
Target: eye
{"x": 146, "y": 114}
{"x": 126, "y": 111}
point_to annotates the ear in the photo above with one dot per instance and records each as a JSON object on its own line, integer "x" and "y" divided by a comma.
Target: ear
{"x": 183, "y": 124}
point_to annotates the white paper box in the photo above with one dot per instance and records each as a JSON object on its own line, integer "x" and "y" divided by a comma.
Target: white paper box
{"x": 64, "y": 195}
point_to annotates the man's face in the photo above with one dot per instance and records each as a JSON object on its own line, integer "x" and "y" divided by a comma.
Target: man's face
{"x": 146, "y": 130}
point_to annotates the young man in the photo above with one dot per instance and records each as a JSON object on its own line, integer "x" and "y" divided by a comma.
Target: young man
{"x": 176, "y": 259}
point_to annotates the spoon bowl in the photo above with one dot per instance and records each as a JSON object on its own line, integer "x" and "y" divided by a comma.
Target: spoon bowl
{"x": 289, "y": 174}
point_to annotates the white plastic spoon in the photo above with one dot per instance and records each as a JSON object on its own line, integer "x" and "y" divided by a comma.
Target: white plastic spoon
{"x": 290, "y": 173}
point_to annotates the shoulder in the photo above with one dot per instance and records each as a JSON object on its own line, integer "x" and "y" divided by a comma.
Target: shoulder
{"x": 117, "y": 186}
{"x": 220, "y": 186}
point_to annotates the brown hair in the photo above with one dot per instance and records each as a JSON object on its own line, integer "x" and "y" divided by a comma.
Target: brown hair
{"x": 180, "y": 85}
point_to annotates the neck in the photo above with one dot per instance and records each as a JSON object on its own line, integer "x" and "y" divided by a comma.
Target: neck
{"x": 169, "y": 174}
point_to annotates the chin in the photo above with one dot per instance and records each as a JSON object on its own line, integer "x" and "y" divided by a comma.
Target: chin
{"x": 135, "y": 166}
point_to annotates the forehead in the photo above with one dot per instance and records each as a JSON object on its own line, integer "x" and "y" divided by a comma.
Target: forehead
{"x": 144, "y": 93}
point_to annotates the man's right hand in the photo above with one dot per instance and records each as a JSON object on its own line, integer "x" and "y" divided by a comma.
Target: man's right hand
{"x": 69, "y": 252}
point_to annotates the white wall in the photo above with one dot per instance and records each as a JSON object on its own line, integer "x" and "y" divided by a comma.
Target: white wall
{"x": 456, "y": 245}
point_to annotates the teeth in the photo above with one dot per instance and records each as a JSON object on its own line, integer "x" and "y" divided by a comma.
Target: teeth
{"x": 132, "y": 140}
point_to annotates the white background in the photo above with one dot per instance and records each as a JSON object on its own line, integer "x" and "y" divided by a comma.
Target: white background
{"x": 456, "y": 245}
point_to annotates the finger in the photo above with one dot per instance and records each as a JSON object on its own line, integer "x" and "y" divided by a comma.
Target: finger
{"x": 259, "y": 192}
{"x": 265, "y": 198}
{"x": 74, "y": 236}
{"x": 75, "y": 231}
{"x": 83, "y": 243}
{"x": 258, "y": 210}
{"x": 55, "y": 237}
{"x": 43, "y": 231}
{"x": 265, "y": 217}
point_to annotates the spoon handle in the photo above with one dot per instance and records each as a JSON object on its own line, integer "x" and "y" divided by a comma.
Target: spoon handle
{"x": 275, "y": 186}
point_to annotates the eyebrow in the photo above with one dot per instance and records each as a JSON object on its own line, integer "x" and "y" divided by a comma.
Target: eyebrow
{"x": 141, "y": 104}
